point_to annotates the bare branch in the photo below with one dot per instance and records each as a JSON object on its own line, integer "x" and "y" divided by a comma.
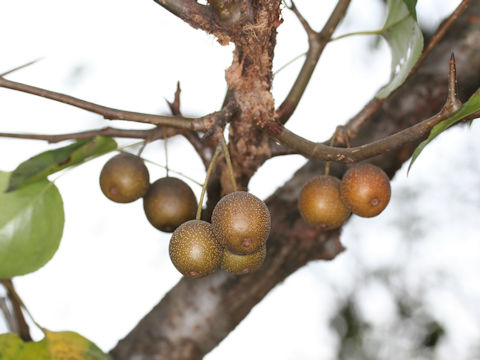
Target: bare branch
{"x": 350, "y": 155}
{"x": 150, "y": 134}
{"x": 193, "y": 137}
{"x": 21, "y": 324}
{"x": 353, "y": 126}
{"x": 317, "y": 43}
{"x": 108, "y": 113}
{"x": 7, "y": 314}
{"x": 20, "y": 67}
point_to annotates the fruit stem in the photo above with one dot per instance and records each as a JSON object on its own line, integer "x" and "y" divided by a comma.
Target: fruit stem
{"x": 204, "y": 187}
{"x": 229, "y": 164}
{"x": 332, "y": 142}
{"x": 165, "y": 145}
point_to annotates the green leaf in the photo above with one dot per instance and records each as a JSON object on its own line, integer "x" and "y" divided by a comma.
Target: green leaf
{"x": 31, "y": 226}
{"x": 411, "y": 4}
{"x": 64, "y": 345}
{"x": 405, "y": 39}
{"x": 49, "y": 162}
{"x": 468, "y": 108}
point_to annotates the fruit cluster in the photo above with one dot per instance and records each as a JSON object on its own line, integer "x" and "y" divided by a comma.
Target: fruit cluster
{"x": 327, "y": 202}
{"x": 168, "y": 202}
{"x": 234, "y": 240}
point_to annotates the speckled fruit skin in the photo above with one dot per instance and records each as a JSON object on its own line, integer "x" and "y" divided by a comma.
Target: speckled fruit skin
{"x": 365, "y": 189}
{"x": 168, "y": 203}
{"x": 320, "y": 204}
{"x": 241, "y": 222}
{"x": 243, "y": 264}
{"x": 124, "y": 178}
{"x": 194, "y": 249}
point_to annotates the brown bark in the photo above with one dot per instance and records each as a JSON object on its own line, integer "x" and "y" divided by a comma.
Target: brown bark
{"x": 197, "y": 314}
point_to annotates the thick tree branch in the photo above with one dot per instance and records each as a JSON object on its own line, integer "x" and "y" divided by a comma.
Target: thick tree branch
{"x": 197, "y": 314}
{"x": 190, "y": 11}
{"x": 316, "y": 45}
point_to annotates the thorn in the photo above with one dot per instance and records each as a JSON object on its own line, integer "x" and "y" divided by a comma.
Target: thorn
{"x": 453, "y": 103}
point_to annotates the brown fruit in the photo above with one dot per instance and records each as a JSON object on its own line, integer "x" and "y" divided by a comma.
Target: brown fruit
{"x": 243, "y": 264}
{"x": 168, "y": 203}
{"x": 320, "y": 204}
{"x": 194, "y": 249}
{"x": 241, "y": 222}
{"x": 365, "y": 189}
{"x": 124, "y": 178}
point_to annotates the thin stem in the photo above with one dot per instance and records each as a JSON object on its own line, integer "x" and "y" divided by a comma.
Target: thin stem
{"x": 229, "y": 164}
{"x": 332, "y": 142}
{"x": 289, "y": 63}
{"x": 371, "y": 32}
{"x": 17, "y": 304}
{"x": 204, "y": 187}
{"x": 165, "y": 146}
{"x": 20, "y": 67}
{"x": 173, "y": 171}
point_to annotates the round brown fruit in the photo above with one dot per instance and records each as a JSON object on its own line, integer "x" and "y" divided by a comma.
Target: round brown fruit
{"x": 243, "y": 264}
{"x": 320, "y": 204}
{"x": 124, "y": 178}
{"x": 365, "y": 189}
{"x": 194, "y": 250}
{"x": 241, "y": 222}
{"x": 168, "y": 203}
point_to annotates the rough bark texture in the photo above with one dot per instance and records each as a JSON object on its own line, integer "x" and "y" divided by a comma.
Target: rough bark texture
{"x": 197, "y": 314}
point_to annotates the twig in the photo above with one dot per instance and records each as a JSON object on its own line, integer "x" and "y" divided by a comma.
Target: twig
{"x": 7, "y": 314}
{"x": 20, "y": 67}
{"x": 21, "y": 324}
{"x": 191, "y": 136}
{"x": 355, "y": 124}
{"x": 150, "y": 134}
{"x": 317, "y": 43}
{"x": 108, "y": 113}
{"x": 350, "y": 155}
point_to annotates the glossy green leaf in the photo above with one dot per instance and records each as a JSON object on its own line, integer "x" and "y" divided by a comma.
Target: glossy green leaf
{"x": 405, "y": 40}
{"x": 65, "y": 345}
{"x": 467, "y": 109}
{"x": 49, "y": 162}
{"x": 411, "y": 4}
{"x": 31, "y": 226}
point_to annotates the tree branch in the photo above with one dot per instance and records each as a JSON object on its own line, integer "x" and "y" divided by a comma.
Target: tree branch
{"x": 150, "y": 135}
{"x": 7, "y": 314}
{"x": 316, "y": 45}
{"x": 353, "y": 126}
{"x": 197, "y": 314}
{"x": 21, "y": 325}
{"x": 349, "y": 155}
{"x": 199, "y": 124}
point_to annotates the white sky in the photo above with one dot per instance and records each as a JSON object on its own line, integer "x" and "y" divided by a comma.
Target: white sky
{"x": 112, "y": 266}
